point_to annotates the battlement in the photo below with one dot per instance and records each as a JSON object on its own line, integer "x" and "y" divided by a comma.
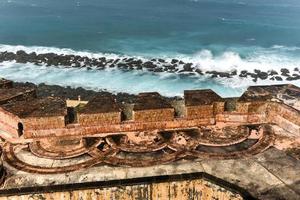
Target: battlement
{"x": 24, "y": 116}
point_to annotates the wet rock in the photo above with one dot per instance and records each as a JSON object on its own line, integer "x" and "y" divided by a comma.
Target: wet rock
{"x": 260, "y": 74}
{"x": 198, "y": 71}
{"x": 130, "y": 59}
{"x": 188, "y": 67}
{"x": 21, "y": 57}
{"x": 224, "y": 75}
{"x": 219, "y": 74}
{"x": 233, "y": 73}
{"x": 109, "y": 60}
{"x": 278, "y": 78}
{"x": 293, "y": 78}
{"x": 161, "y": 60}
{"x": 117, "y": 60}
{"x": 122, "y": 65}
{"x": 254, "y": 76}
{"x": 149, "y": 65}
{"x": 8, "y": 56}
{"x": 243, "y": 74}
{"x": 285, "y": 72}
{"x": 139, "y": 67}
{"x": 173, "y": 61}
{"x": 169, "y": 67}
{"x": 273, "y": 72}
{"x": 158, "y": 69}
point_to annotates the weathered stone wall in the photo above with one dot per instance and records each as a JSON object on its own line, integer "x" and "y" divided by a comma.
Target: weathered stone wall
{"x": 9, "y": 122}
{"x": 219, "y": 107}
{"x": 285, "y": 117}
{"x": 284, "y": 111}
{"x": 158, "y": 115}
{"x": 242, "y": 107}
{"x": 36, "y": 123}
{"x": 175, "y": 190}
{"x": 204, "y": 111}
{"x": 257, "y": 107}
{"x": 72, "y": 130}
{"x": 99, "y": 118}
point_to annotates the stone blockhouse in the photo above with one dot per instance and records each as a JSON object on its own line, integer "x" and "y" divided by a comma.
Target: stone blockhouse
{"x": 34, "y": 114}
{"x": 151, "y": 107}
{"x": 100, "y": 111}
{"x": 202, "y": 103}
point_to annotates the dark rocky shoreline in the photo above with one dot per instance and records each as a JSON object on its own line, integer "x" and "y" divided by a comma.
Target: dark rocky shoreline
{"x": 153, "y": 65}
{"x": 44, "y": 90}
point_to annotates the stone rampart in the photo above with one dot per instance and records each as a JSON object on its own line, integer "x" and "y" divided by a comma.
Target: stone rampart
{"x": 48, "y": 117}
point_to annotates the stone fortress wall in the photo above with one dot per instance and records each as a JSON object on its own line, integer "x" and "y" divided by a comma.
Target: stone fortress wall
{"x": 146, "y": 138}
{"x": 24, "y": 116}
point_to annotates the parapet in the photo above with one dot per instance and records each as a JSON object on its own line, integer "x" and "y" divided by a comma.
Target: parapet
{"x": 100, "y": 110}
{"x": 151, "y": 107}
{"x": 22, "y": 112}
{"x": 202, "y": 103}
{"x": 45, "y": 113}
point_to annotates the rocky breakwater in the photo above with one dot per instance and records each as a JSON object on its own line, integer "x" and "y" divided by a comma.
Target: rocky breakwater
{"x": 156, "y": 65}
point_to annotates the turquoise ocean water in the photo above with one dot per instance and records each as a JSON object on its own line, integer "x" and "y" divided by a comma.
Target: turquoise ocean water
{"x": 214, "y": 34}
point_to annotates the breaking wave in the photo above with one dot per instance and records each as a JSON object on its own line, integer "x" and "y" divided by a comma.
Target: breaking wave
{"x": 135, "y": 81}
{"x": 259, "y": 58}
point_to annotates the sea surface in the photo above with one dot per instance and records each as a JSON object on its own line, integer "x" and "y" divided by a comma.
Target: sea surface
{"x": 217, "y": 35}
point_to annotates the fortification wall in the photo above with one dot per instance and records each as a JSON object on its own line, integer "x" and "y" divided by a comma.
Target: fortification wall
{"x": 9, "y": 122}
{"x": 99, "y": 119}
{"x": 154, "y": 115}
{"x": 150, "y": 112}
{"x": 175, "y": 190}
{"x": 194, "y": 112}
{"x": 35, "y": 123}
{"x": 285, "y": 117}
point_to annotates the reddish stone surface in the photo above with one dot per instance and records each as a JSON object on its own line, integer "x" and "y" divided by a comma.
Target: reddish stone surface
{"x": 151, "y": 107}
{"x": 99, "y": 111}
{"x": 48, "y": 117}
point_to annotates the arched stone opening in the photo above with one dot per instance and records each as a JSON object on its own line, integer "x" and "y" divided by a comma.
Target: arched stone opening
{"x": 20, "y": 129}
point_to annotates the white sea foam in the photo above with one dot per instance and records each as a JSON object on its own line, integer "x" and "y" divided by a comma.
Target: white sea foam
{"x": 118, "y": 81}
{"x": 137, "y": 81}
{"x": 111, "y": 80}
{"x": 292, "y": 48}
{"x": 204, "y": 59}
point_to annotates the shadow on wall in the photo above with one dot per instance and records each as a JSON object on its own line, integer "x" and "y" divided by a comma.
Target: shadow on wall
{"x": 20, "y": 129}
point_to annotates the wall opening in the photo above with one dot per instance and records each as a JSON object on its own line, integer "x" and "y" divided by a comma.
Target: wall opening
{"x": 71, "y": 115}
{"x": 230, "y": 105}
{"x": 20, "y": 129}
